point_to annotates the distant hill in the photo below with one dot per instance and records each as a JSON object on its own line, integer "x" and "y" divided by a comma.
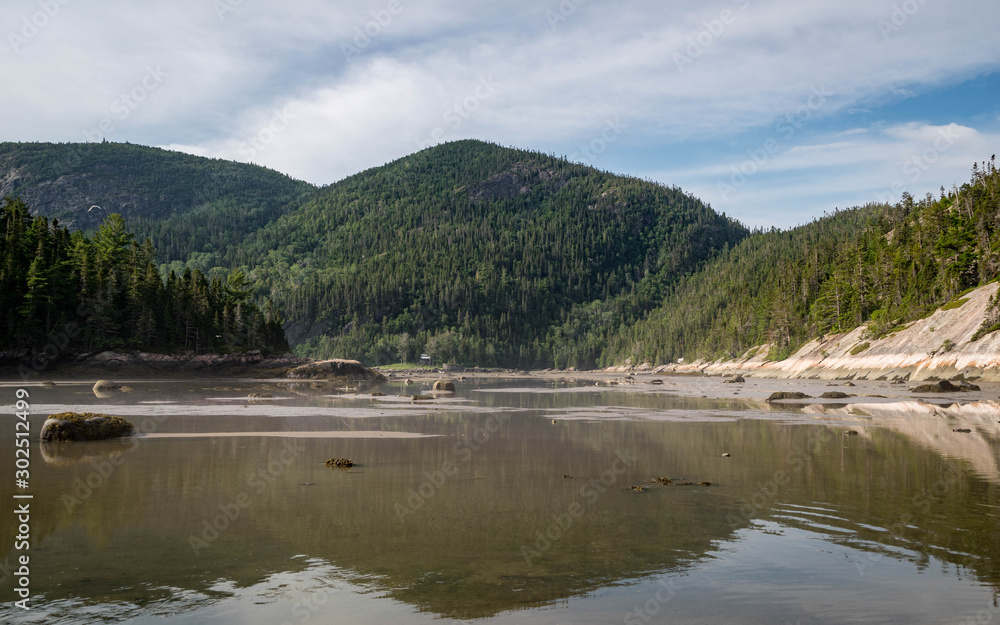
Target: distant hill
{"x": 185, "y": 203}
{"x": 480, "y": 254}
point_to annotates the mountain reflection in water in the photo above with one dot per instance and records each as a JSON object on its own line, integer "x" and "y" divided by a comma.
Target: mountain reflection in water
{"x": 521, "y": 508}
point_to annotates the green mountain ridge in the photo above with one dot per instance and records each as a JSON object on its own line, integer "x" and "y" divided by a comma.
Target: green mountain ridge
{"x": 185, "y": 204}
{"x": 479, "y": 254}
{"x": 485, "y": 255}
{"x": 879, "y": 265}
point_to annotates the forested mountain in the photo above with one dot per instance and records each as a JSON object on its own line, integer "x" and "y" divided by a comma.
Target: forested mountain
{"x": 185, "y": 204}
{"x": 63, "y": 293}
{"x": 881, "y": 265}
{"x": 479, "y": 254}
{"x": 468, "y": 251}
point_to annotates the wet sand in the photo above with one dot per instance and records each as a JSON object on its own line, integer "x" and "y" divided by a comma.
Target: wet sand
{"x": 311, "y": 435}
{"x": 692, "y": 385}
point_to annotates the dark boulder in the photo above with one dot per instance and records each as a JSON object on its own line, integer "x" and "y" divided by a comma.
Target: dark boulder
{"x": 341, "y": 371}
{"x": 834, "y": 395}
{"x": 944, "y": 386}
{"x": 779, "y": 395}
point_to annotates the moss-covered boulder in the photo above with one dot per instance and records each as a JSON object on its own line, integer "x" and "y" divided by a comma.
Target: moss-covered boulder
{"x": 87, "y": 426}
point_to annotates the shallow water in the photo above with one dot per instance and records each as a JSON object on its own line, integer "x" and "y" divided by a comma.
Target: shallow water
{"x": 517, "y": 507}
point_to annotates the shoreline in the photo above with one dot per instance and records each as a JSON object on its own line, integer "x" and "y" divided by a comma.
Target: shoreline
{"x": 938, "y": 347}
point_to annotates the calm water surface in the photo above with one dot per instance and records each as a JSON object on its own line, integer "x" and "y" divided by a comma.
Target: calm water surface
{"x": 518, "y": 508}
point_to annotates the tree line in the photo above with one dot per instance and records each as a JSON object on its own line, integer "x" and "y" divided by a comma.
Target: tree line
{"x": 108, "y": 290}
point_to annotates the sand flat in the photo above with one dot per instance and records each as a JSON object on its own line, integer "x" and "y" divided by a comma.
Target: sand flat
{"x": 290, "y": 434}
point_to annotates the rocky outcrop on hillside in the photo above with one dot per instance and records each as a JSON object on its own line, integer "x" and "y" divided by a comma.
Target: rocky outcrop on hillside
{"x": 519, "y": 180}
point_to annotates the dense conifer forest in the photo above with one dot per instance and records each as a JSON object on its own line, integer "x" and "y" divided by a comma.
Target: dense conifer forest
{"x": 104, "y": 292}
{"x": 479, "y": 254}
{"x": 881, "y": 265}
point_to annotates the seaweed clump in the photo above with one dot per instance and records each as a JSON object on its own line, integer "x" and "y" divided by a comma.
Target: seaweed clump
{"x": 340, "y": 463}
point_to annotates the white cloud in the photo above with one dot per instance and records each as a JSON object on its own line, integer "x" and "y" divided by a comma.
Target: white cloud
{"x": 680, "y": 73}
{"x": 796, "y": 184}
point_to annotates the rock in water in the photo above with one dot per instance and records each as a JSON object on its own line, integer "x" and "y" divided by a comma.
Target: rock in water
{"x": 345, "y": 371}
{"x": 834, "y": 395}
{"x": 444, "y": 385}
{"x": 736, "y": 379}
{"x": 106, "y": 388}
{"x": 944, "y": 386}
{"x": 88, "y": 426}
{"x": 778, "y": 395}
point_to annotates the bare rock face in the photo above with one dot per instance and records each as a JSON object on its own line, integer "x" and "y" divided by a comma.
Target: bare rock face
{"x": 337, "y": 370}
{"x": 87, "y": 426}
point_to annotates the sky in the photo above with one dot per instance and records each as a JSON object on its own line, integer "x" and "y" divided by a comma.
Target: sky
{"x": 771, "y": 111}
